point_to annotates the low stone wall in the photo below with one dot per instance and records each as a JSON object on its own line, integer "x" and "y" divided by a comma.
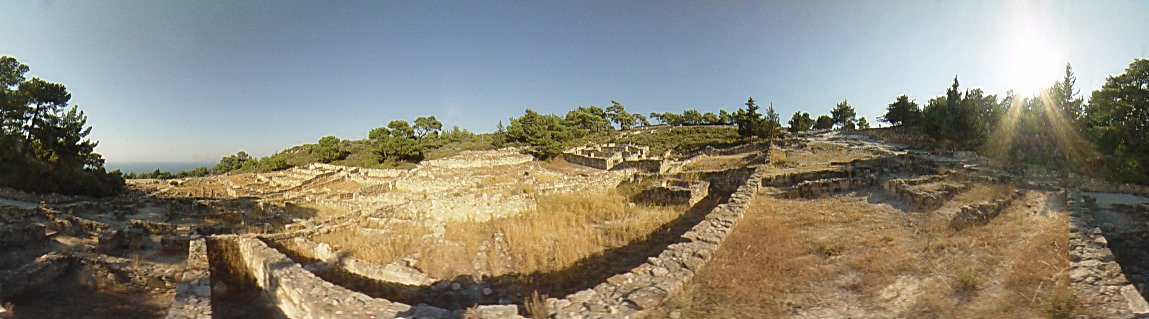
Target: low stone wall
{"x": 12, "y": 214}
{"x": 826, "y": 187}
{"x": 1094, "y": 274}
{"x": 599, "y": 163}
{"x": 155, "y": 228}
{"x": 76, "y": 226}
{"x": 299, "y": 293}
{"x": 40, "y": 271}
{"x": 312, "y": 228}
{"x": 193, "y": 295}
{"x": 392, "y": 273}
{"x": 907, "y": 190}
{"x": 727, "y": 181}
{"x": 635, "y": 293}
{"x": 790, "y": 179}
{"x": 1091, "y": 184}
{"x": 674, "y": 192}
{"x": 646, "y": 165}
{"x": 382, "y": 173}
{"x": 983, "y": 213}
{"x": 763, "y": 147}
{"x": 103, "y": 271}
{"x": 21, "y": 234}
{"x": 475, "y": 159}
{"x": 133, "y": 237}
{"x": 609, "y": 158}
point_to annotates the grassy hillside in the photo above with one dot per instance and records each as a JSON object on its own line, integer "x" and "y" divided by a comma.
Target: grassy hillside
{"x": 677, "y": 139}
{"x": 362, "y": 153}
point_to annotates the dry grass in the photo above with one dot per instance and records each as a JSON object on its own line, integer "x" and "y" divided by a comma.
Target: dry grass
{"x": 814, "y": 156}
{"x": 536, "y": 306}
{"x": 563, "y": 230}
{"x": 399, "y": 241}
{"x": 981, "y": 193}
{"x": 847, "y": 257}
{"x": 717, "y": 163}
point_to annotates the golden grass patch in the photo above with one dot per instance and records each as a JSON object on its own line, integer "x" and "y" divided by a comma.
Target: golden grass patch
{"x": 847, "y": 256}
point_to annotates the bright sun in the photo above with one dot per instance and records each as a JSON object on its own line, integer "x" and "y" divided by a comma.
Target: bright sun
{"x": 1032, "y": 59}
{"x": 1031, "y": 67}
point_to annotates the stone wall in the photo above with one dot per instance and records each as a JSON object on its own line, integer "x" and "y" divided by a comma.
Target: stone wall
{"x": 790, "y": 179}
{"x": 727, "y": 181}
{"x": 982, "y": 213}
{"x": 103, "y": 271}
{"x": 40, "y": 271}
{"x": 762, "y": 147}
{"x": 155, "y": 228}
{"x": 599, "y": 163}
{"x": 674, "y": 192}
{"x": 826, "y": 187}
{"x": 484, "y": 159}
{"x": 645, "y": 165}
{"x": 908, "y": 190}
{"x": 1095, "y": 276}
{"x": 616, "y": 157}
{"x": 12, "y": 214}
{"x": 635, "y": 293}
{"x": 193, "y": 295}
{"x": 76, "y": 226}
{"x": 1091, "y": 184}
{"x": 299, "y": 293}
{"x": 312, "y": 227}
{"x": 325, "y": 254}
{"x": 15, "y": 235}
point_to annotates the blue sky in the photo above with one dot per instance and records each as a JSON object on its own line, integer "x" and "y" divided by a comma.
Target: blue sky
{"x": 191, "y": 81}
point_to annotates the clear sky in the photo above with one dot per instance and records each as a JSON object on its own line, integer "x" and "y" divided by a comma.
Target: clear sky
{"x": 191, "y": 81}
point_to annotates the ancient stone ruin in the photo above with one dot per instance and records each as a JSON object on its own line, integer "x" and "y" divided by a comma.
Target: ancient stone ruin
{"x": 616, "y": 156}
{"x": 246, "y": 247}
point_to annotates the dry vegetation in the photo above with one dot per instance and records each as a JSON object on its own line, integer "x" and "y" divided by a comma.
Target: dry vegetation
{"x": 718, "y": 163}
{"x": 814, "y": 156}
{"x": 565, "y": 229}
{"x": 849, "y": 257}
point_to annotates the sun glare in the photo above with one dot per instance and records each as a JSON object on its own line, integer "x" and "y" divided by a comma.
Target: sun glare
{"x": 1031, "y": 54}
{"x": 1031, "y": 67}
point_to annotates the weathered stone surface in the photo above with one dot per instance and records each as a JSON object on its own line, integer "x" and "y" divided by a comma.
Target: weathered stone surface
{"x": 300, "y": 293}
{"x": 1137, "y": 304}
{"x": 616, "y": 156}
{"x": 647, "y": 298}
{"x": 1095, "y": 277}
{"x": 494, "y": 312}
{"x": 193, "y": 295}
{"x": 21, "y": 234}
{"x": 646, "y": 286}
{"x": 42, "y": 270}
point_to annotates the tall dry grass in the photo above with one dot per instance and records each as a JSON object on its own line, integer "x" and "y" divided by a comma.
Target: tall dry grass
{"x": 400, "y": 240}
{"x": 563, "y": 230}
{"x": 850, "y": 256}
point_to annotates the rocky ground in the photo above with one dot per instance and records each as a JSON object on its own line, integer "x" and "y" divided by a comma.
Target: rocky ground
{"x": 830, "y": 226}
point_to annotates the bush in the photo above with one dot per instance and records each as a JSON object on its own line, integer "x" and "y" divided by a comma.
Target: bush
{"x": 327, "y": 150}
{"x": 274, "y": 163}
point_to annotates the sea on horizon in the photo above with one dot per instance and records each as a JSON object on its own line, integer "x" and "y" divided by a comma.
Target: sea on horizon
{"x": 143, "y": 167}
